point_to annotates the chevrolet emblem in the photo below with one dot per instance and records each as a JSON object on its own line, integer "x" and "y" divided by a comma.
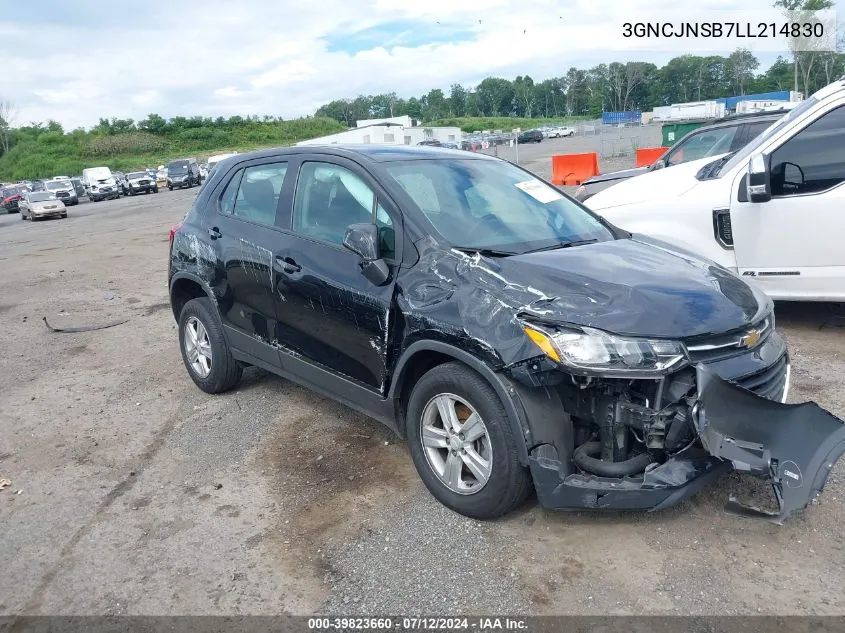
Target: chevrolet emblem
{"x": 750, "y": 339}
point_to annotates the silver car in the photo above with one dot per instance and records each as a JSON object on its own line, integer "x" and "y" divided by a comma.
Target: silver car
{"x": 41, "y": 204}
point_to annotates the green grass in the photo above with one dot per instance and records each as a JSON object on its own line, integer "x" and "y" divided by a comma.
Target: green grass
{"x": 42, "y": 154}
{"x": 506, "y": 124}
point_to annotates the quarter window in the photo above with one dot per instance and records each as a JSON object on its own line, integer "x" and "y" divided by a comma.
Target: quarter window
{"x": 813, "y": 160}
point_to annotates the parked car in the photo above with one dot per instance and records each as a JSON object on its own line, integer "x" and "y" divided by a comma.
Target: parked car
{"x": 100, "y": 184}
{"x": 213, "y": 160}
{"x": 10, "y": 197}
{"x": 530, "y": 136}
{"x": 430, "y": 142}
{"x": 78, "y": 187}
{"x": 121, "y": 182}
{"x": 140, "y": 182}
{"x": 184, "y": 172}
{"x": 561, "y": 132}
{"x": 36, "y": 205}
{"x": 770, "y": 212}
{"x": 726, "y": 135}
{"x": 515, "y": 339}
{"x": 161, "y": 176}
{"x": 63, "y": 190}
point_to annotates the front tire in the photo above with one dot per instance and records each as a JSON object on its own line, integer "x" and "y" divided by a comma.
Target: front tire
{"x": 205, "y": 350}
{"x": 462, "y": 445}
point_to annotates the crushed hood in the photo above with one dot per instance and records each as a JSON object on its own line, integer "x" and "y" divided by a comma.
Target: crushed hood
{"x": 625, "y": 286}
{"x": 660, "y": 184}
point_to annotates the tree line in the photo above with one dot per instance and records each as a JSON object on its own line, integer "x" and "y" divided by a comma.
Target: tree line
{"x": 617, "y": 86}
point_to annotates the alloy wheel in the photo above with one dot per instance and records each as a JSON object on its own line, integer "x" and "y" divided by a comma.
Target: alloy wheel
{"x": 456, "y": 443}
{"x": 197, "y": 347}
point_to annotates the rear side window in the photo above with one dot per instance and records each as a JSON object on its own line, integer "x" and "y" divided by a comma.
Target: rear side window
{"x": 253, "y": 193}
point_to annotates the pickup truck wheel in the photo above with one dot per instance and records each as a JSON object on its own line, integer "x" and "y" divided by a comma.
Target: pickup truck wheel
{"x": 205, "y": 351}
{"x": 462, "y": 445}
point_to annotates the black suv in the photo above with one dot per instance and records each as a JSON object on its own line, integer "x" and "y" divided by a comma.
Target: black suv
{"x": 530, "y": 136}
{"x": 184, "y": 172}
{"x": 512, "y": 336}
{"x": 720, "y": 137}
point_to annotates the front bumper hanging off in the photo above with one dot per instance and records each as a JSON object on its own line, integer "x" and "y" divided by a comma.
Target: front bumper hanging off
{"x": 793, "y": 446}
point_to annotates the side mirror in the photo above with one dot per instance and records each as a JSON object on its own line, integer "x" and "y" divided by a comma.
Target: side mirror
{"x": 362, "y": 239}
{"x": 659, "y": 164}
{"x": 759, "y": 184}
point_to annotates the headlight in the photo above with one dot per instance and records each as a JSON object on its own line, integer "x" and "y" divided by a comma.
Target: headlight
{"x": 588, "y": 351}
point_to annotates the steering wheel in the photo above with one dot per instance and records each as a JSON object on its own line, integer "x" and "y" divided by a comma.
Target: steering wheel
{"x": 486, "y": 219}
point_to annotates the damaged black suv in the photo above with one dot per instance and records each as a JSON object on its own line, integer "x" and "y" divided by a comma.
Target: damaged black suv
{"x": 516, "y": 339}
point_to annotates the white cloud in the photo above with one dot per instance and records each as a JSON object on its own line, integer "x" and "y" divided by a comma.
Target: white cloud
{"x": 266, "y": 57}
{"x": 146, "y": 98}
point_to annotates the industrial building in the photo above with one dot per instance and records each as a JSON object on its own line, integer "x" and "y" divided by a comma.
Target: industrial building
{"x": 391, "y": 131}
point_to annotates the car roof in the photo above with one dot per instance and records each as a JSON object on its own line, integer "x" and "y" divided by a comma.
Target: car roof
{"x": 373, "y": 153}
{"x": 737, "y": 119}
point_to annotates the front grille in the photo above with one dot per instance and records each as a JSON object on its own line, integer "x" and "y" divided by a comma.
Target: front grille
{"x": 62, "y": 194}
{"x": 769, "y": 382}
{"x": 704, "y": 350}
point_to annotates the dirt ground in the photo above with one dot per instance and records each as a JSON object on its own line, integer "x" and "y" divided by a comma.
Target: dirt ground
{"x": 132, "y": 492}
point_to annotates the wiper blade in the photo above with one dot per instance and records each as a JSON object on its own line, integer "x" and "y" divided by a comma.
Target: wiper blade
{"x": 486, "y": 252}
{"x": 711, "y": 169}
{"x": 554, "y": 247}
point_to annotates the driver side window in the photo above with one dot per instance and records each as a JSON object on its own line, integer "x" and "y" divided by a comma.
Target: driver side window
{"x": 813, "y": 160}
{"x": 329, "y": 198}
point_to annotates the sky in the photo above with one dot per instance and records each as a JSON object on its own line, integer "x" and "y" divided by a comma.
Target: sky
{"x": 287, "y": 57}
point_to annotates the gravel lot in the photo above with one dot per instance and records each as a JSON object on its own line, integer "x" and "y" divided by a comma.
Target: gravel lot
{"x": 139, "y": 494}
{"x": 609, "y": 144}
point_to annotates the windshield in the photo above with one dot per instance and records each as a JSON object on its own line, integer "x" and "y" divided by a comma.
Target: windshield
{"x": 41, "y": 196}
{"x": 177, "y": 167}
{"x": 774, "y": 128}
{"x": 493, "y": 205}
{"x": 12, "y": 191}
{"x": 55, "y": 185}
{"x": 137, "y": 174}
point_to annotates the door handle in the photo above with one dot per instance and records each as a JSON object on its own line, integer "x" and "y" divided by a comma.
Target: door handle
{"x": 288, "y": 264}
{"x": 214, "y": 233}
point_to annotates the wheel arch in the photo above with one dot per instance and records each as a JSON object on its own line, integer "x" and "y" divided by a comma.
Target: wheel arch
{"x": 422, "y": 356}
{"x": 184, "y": 287}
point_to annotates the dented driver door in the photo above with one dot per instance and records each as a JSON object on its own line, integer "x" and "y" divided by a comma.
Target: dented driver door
{"x": 330, "y": 315}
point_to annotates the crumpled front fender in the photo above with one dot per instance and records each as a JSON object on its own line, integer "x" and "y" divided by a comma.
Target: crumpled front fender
{"x": 794, "y": 446}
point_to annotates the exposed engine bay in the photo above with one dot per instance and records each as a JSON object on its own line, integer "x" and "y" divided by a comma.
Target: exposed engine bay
{"x": 648, "y": 444}
{"x": 623, "y": 426}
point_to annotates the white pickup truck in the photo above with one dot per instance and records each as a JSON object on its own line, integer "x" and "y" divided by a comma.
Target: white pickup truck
{"x": 773, "y": 212}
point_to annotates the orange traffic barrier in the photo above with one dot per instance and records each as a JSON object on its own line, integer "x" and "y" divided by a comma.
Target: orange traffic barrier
{"x": 647, "y": 155}
{"x": 573, "y": 169}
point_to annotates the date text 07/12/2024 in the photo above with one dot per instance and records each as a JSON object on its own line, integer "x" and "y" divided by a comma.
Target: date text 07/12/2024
{"x": 479, "y": 624}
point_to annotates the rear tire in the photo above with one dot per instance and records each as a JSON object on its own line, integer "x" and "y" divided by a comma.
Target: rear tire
{"x": 507, "y": 482}
{"x": 224, "y": 372}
